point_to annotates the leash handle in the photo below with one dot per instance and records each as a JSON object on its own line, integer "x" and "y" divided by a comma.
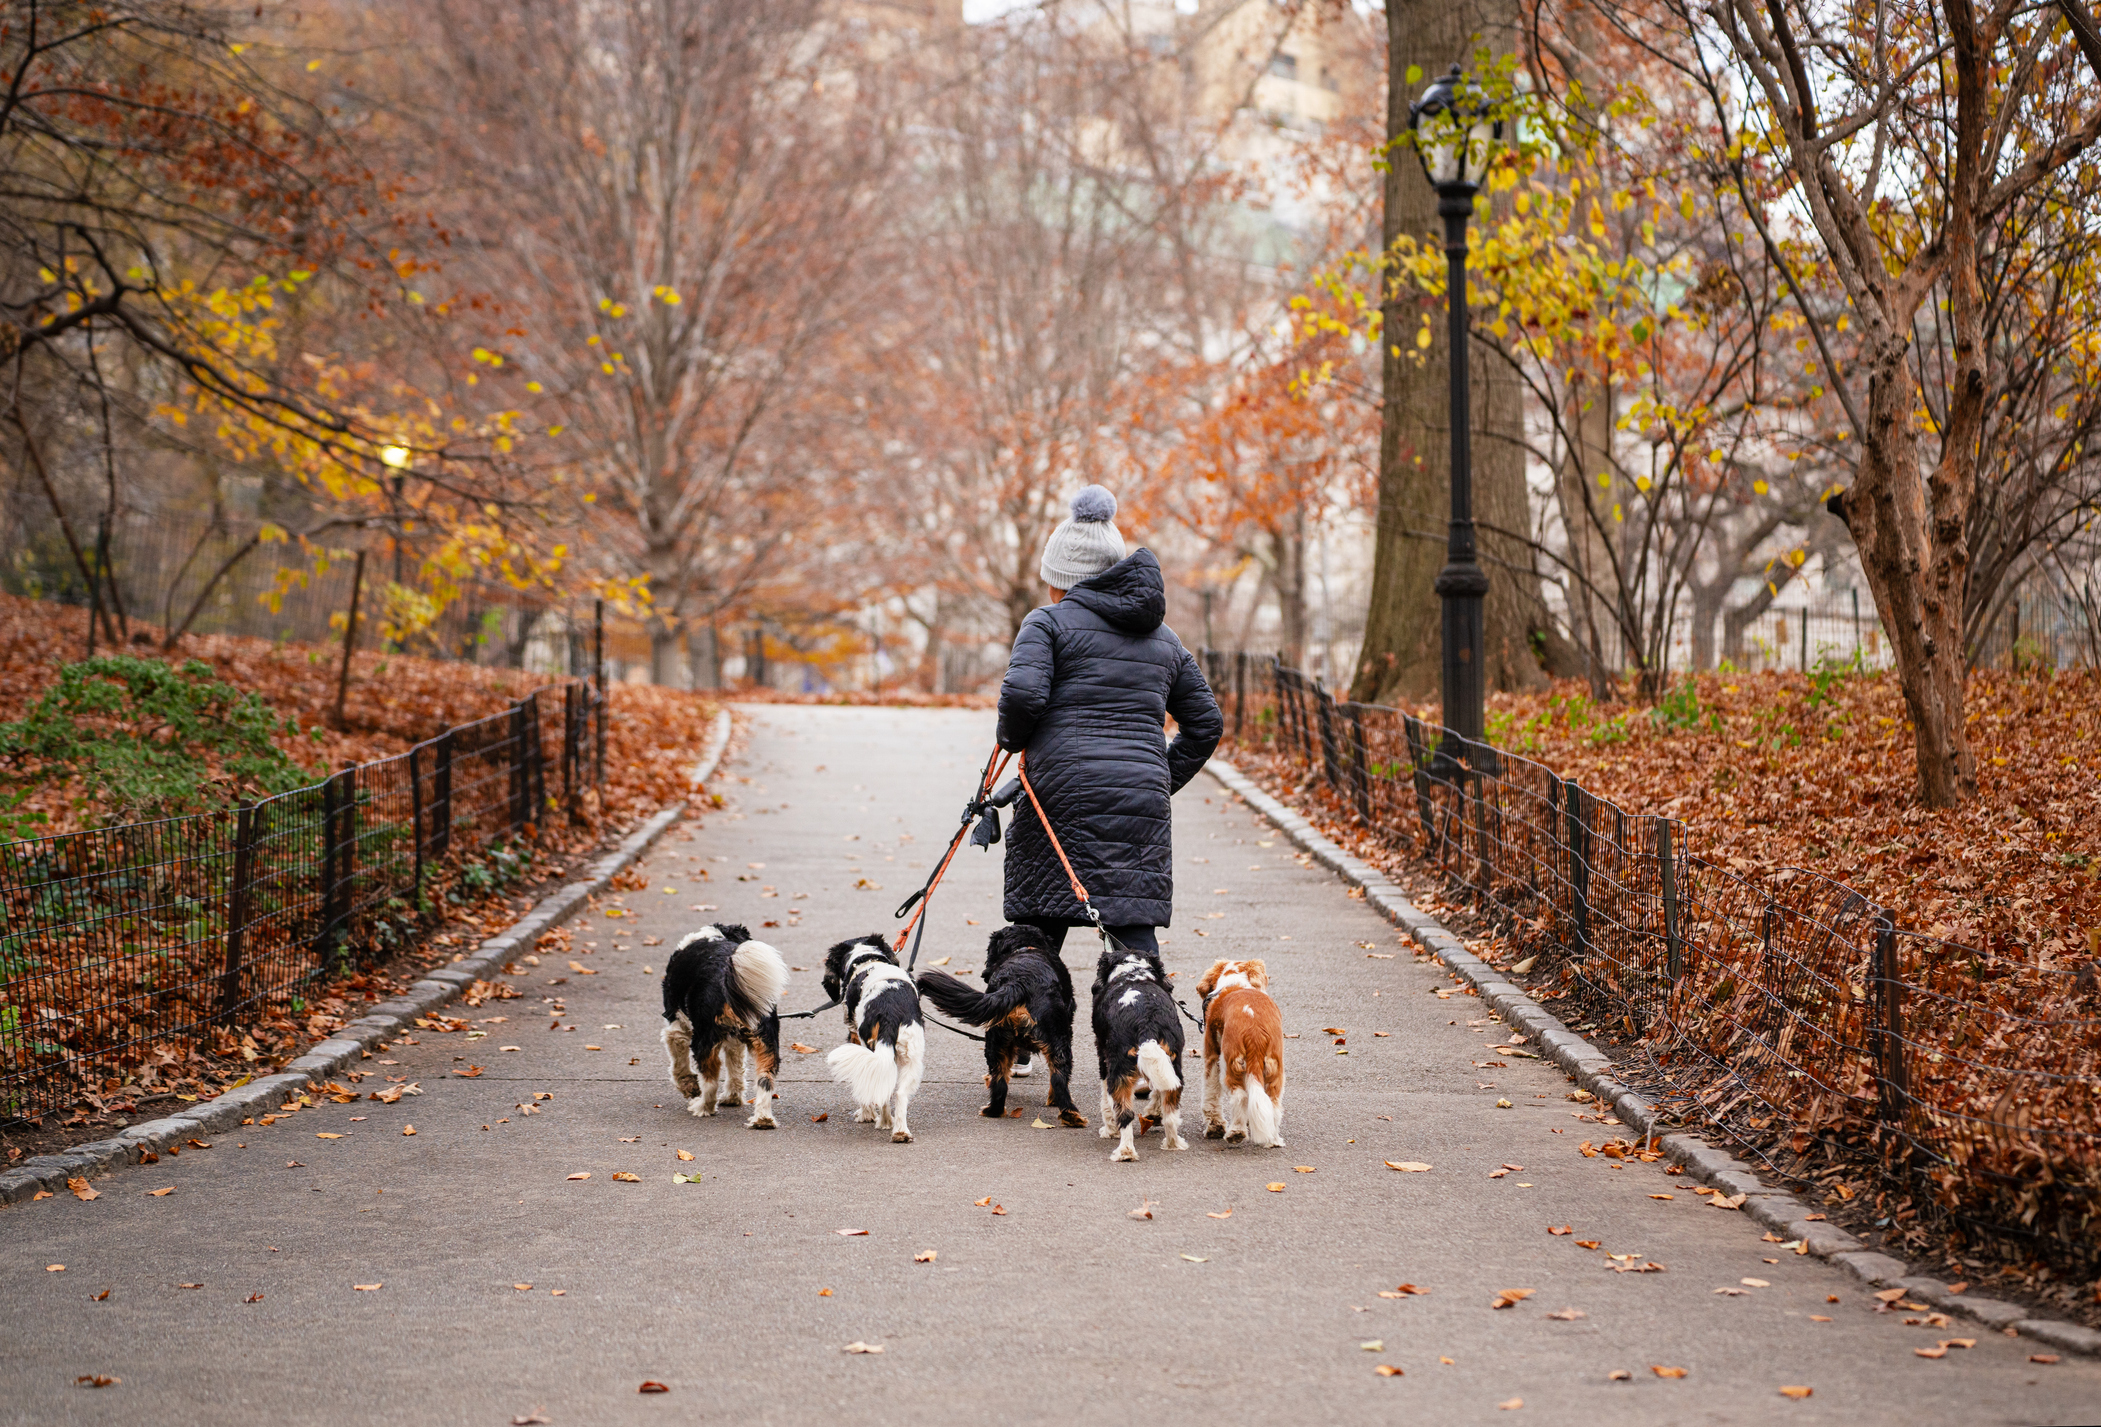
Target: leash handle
{"x": 995, "y": 764}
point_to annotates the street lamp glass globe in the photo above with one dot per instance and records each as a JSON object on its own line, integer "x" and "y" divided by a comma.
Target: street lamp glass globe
{"x": 1455, "y": 133}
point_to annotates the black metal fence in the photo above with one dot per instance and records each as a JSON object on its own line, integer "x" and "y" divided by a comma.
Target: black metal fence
{"x": 121, "y": 944}
{"x": 1791, "y": 1012}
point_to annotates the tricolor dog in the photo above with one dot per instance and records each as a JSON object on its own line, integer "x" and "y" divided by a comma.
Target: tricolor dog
{"x": 884, "y": 1058}
{"x": 1243, "y": 1055}
{"x": 1138, "y": 1036}
{"x": 722, "y": 993}
{"x": 1027, "y": 1006}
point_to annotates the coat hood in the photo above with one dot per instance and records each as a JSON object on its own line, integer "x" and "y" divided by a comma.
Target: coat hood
{"x": 1130, "y": 594}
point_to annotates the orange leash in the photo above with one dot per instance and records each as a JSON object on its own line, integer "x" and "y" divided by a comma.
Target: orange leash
{"x": 1022, "y": 768}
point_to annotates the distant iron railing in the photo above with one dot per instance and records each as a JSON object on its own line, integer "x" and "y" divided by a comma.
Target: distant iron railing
{"x": 126, "y": 943}
{"x": 1789, "y": 1012}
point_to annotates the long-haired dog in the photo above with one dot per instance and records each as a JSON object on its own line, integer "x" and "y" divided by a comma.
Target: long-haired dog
{"x": 884, "y": 1058}
{"x": 1138, "y": 1035}
{"x": 722, "y": 993}
{"x": 1027, "y": 1007}
{"x": 1243, "y": 1055}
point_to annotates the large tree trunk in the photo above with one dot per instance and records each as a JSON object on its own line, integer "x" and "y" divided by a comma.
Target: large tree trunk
{"x": 1401, "y": 658}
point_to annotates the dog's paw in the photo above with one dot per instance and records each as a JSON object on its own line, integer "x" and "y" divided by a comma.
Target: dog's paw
{"x": 993, "y": 1112}
{"x": 1072, "y": 1119}
{"x": 1108, "y": 1131}
{"x": 1214, "y": 1132}
{"x": 699, "y": 1106}
{"x": 1021, "y": 1069}
{"x": 900, "y": 1137}
{"x": 1178, "y": 1143}
{"x": 761, "y": 1122}
{"x": 1122, "y": 1153}
{"x": 1236, "y": 1135}
{"x": 730, "y": 1097}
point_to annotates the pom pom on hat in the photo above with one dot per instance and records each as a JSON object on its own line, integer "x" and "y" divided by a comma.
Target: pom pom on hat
{"x": 1093, "y": 505}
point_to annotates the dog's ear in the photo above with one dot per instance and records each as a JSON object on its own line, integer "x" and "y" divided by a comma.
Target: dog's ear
{"x": 735, "y": 933}
{"x": 1203, "y": 987}
{"x": 1257, "y": 974}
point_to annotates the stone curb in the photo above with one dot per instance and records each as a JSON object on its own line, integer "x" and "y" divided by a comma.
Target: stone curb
{"x": 1590, "y": 1067}
{"x": 382, "y": 1022}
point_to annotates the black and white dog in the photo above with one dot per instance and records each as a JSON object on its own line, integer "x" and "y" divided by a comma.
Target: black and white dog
{"x": 885, "y": 1059}
{"x": 1138, "y": 1035}
{"x": 722, "y": 993}
{"x": 1027, "y": 1005}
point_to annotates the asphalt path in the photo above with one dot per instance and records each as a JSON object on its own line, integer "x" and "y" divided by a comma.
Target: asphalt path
{"x": 1263, "y": 1287}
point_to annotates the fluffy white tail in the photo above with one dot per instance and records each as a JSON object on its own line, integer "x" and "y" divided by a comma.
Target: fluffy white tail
{"x": 761, "y": 974}
{"x": 1158, "y": 1069}
{"x": 1261, "y": 1113}
{"x": 870, "y": 1072}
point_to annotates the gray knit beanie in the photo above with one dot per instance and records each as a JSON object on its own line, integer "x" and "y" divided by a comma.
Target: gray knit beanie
{"x": 1085, "y": 545}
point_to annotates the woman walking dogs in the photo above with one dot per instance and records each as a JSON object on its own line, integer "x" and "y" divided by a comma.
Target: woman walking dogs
{"x": 1093, "y": 676}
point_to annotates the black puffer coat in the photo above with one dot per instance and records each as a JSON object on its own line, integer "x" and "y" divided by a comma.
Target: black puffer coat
{"x": 1086, "y": 697}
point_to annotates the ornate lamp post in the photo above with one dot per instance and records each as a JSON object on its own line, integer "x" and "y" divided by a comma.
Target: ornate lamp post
{"x": 1455, "y": 137}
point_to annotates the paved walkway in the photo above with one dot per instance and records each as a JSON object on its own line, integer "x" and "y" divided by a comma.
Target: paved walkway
{"x": 235, "y": 1297}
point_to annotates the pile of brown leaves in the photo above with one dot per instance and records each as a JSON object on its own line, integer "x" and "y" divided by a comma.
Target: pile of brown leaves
{"x": 1769, "y": 775}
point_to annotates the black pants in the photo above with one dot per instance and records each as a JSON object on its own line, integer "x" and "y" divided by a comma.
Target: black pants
{"x": 1138, "y": 938}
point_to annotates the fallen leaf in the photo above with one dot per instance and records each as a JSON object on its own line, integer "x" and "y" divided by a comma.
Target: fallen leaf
{"x": 1194, "y": 1259}
{"x": 584, "y": 1175}
{"x": 1588, "y": 1243}
{"x": 1375, "y": 1345}
{"x": 1662, "y": 1196}
{"x": 207, "y": 1144}
{"x": 2046, "y": 1359}
{"x": 253, "y": 1298}
{"x": 1819, "y": 1318}
{"x": 1409, "y": 1166}
{"x": 1937, "y": 1351}
{"x": 96, "y": 1380}
{"x": 685, "y": 1154}
{"x": 1620, "y": 1375}
{"x": 531, "y": 1419}
{"x": 1039, "y": 1124}
{"x": 1890, "y": 1295}
{"x": 1797, "y": 1393}
{"x": 1511, "y": 1406}
{"x": 820, "y": 1119}
{"x": 161, "y": 1193}
{"x": 82, "y": 1190}
{"x": 1302, "y": 1169}
{"x": 926, "y": 1256}
{"x": 981, "y": 1203}
{"x": 652, "y": 1386}
{"x": 368, "y": 1287}
{"x": 623, "y": 1177}
{"x": 851, "y": 1233}
{"x": 1277, "y": 1188}
{"x": 824, "y": 1293}
{"x": 523, "y": 1287}
{"x": 1387, "y": 1370}
{"x": 685, "y": 1179}
{"x": 54, "y": 1268}
{"x": 944, "y": 960}
{"x": 1568, "y": 1315}
{"x": 324, "y": 1136}
{"x": 1511, "y": 1297}
{"x": 1734, "y": 1292}
{"x": 408, "y": 1129}
{"x": 800, "y": 1049}
{"x": 862, "y": 1348}
{"x": 1143, "y": 1211}
{"x": 1219, "y": 1214}
{"x": 1564, "y": 1229}
{"x": 1667, "y": 1372}
{"x": 1754, "y": 1283}
{"x": 999, "y": 1208}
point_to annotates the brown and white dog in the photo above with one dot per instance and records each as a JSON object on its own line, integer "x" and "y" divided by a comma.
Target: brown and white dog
{"x": 1243, "y": 1055}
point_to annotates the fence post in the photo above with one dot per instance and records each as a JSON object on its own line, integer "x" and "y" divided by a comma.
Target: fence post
{"x": 329, "y": 850}
{"x": 518, "y": 784}
{"x": 245, "y": 824}
{"x": 572, "y": 750}
{"x": 1330, "y": 765}
{"x": 1805, "y": 638}
{"x": 346, "y": 857}
{"x": 1578, "y": 863}
{"x": 1770, "y": 968}
{"x": 1667, "y": 867}
{"x": 1889, "y": 1006}
{"x": 416, "y": 819}
{"x": 598, "y": 746}
{"x": 441, "y": 796}
{"x": 535, "y": 764}
{"x": 1239, "y": 691}
{"x": 1360, "y": 763}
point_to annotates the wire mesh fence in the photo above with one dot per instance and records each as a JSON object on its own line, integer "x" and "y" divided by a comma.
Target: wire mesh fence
{"x": 1792, "y": 1013}
{"x": 125, "y": 943}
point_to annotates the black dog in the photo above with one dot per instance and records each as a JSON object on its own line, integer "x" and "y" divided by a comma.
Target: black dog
{"x": 884, "y": 1058}
{"x": 722, "y": 993}
{"x": 1138, "y": 1036}
{"x": 1027, "y": 1005}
